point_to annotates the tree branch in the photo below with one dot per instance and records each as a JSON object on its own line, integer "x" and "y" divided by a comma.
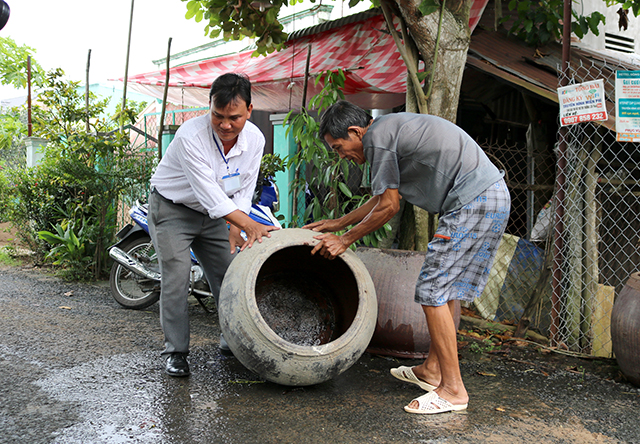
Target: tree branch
{"x": 409, "y": 60}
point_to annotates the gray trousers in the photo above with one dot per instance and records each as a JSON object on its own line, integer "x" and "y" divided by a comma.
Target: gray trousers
{"x": 175, "y": 229}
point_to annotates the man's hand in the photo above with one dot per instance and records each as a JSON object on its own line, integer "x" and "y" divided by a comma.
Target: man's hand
{"x": 330, "y": 246}
{"x": 256, "y": 231}
{"x": 235, "y": 238}
{"x": 324, "y": 226}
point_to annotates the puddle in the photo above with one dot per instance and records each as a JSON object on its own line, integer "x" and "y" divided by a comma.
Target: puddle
{"x": 127, "y": 398}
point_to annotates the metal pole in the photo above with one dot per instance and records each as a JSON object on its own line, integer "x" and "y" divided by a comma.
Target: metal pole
{"x": 164, "y": 101}
{"x": 126, "y": 68}
{"x": 560, "y": 183}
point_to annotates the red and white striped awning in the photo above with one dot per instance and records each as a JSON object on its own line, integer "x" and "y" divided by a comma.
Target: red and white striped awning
{"x": 375, "y": 71}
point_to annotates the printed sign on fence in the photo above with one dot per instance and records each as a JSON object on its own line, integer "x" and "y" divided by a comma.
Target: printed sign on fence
{"x": 582, "y": 103}
{"x": 628, "y": 106}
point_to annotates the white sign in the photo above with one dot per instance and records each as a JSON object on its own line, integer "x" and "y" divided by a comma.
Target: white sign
{"x": 628, "y": 106}
{"x": 582, "y": 103}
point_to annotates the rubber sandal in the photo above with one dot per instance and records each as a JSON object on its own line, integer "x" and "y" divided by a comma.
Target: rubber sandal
{"x": 431, "y": 403}
{"x": 406, "y": 374}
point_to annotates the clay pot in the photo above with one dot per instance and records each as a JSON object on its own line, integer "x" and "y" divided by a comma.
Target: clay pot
{"x": 625, "y": 329}
{"x": 293, "y": 318}
{"x": 401, "y": 329}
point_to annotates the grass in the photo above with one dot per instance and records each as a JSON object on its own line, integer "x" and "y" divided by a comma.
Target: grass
{"x": 6, "y": 257}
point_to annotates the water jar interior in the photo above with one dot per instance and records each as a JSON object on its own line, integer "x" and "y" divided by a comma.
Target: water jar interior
{"x": 306, "y": 300}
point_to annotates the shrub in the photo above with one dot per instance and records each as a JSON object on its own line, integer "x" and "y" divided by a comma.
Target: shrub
{"x": 72, "y": 195}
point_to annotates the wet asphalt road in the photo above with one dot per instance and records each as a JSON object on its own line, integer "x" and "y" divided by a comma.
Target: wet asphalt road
{"x": 77, "y": 368}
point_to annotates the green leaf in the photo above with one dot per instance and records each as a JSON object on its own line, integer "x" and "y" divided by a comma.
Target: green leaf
{"x": 345, "y": 189}
{"x": 428, "y": 7}
{"x": 51, "y": 238}
{"x": 422, "y": 76}
{"x": 528, "y": 25}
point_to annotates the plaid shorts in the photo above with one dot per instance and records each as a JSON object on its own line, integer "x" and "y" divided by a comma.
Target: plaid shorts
{"x": 460, "y": 256}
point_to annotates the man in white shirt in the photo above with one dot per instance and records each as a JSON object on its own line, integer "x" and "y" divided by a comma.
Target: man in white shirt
{"x": 206, "y": 178}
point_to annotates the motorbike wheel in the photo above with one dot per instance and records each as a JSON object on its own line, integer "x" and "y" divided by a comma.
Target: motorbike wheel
{"x": 130, "y": 289}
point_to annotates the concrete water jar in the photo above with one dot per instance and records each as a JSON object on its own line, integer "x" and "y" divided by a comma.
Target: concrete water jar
{"x": 625, "y": 329}
{"x": 293, "y": 318}
{"x": 401, "y": 330}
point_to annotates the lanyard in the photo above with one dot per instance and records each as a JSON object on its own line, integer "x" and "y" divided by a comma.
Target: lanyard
{"x": 222, "y": 154}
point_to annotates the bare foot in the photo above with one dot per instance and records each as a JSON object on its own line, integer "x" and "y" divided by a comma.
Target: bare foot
{"x": 421, "y": 373}
{"x": 455, "y": 399}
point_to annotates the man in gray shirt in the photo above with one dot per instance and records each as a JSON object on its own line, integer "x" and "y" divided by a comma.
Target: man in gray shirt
{"x": 435, "y": 165}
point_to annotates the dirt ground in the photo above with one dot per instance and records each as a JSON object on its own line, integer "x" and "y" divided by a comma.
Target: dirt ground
{"x": 75, "y": 367}
{"x": 5, "y": 236}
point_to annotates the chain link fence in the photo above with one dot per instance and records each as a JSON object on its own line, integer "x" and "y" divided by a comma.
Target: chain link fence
{"x": 597, "y": 233}
{"x": 519, "y": 282}
{"x": 567, "y": 254}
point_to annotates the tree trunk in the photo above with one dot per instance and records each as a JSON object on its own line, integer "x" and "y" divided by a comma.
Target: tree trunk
{"x": 452, "y": 53}
{"x": 445, "y": 90}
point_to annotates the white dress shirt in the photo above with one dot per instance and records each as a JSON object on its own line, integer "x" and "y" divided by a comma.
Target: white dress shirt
{"x": 191, "y": 171}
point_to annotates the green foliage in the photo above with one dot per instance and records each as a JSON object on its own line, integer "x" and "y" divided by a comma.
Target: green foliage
{"x": 238, "y": 19}
{"x": 13, "y": 64}
{"x": 6, "y": 258}
{"x": 77, "y": 186}
{"x": 539, "y": 22}
{"x": 28, "y": 202}
{"x": 69, "y": 250}
{"x": 270, "y": 165}
{"x": 12, "y": 132}
{"x": 327, "y": 180}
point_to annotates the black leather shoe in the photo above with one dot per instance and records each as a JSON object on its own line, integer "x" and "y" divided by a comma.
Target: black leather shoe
{"x": 177, "y": 365}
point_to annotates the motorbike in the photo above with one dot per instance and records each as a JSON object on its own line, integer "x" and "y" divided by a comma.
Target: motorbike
{"x": 135, "y": 274}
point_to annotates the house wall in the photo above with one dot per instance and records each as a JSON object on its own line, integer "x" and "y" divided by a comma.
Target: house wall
{"x": 612, "y": 36}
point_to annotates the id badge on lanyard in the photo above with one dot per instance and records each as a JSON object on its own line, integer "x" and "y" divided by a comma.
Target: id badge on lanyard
{"x": 231, "y": 183}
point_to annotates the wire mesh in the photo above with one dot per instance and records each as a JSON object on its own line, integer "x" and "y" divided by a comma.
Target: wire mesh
{"x": 519, "y": 279}
{"x": 597, "y": 229}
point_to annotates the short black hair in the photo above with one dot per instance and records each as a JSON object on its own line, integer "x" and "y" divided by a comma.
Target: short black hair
{"x": 337, "y": 119}
{"x": 229, "y": 87}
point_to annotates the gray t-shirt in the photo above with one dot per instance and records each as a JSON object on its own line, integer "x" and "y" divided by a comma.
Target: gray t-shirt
{"x": 432, "y": 163}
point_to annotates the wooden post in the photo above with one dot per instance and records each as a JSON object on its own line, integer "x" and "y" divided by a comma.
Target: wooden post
{"x": 294, "y": 208}
{"x": 560, "y": 183}
{"x": 86, "y": 93}
{"x": 164, "y": 100}
{"x": 29, "y": 124}
{"x": 591, "y": 271}
{"x": 126, "y": 68}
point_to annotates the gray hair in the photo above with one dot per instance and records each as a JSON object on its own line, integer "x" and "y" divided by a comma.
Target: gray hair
{"x": 337, "y": 119}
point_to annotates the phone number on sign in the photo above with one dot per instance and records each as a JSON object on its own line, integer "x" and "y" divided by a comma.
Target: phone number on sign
{"x": 583, "y": 118}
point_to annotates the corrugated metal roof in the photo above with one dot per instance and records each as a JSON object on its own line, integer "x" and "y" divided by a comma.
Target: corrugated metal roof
{"x": 537, "y": 69}
{"x": 327, "y": 26}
